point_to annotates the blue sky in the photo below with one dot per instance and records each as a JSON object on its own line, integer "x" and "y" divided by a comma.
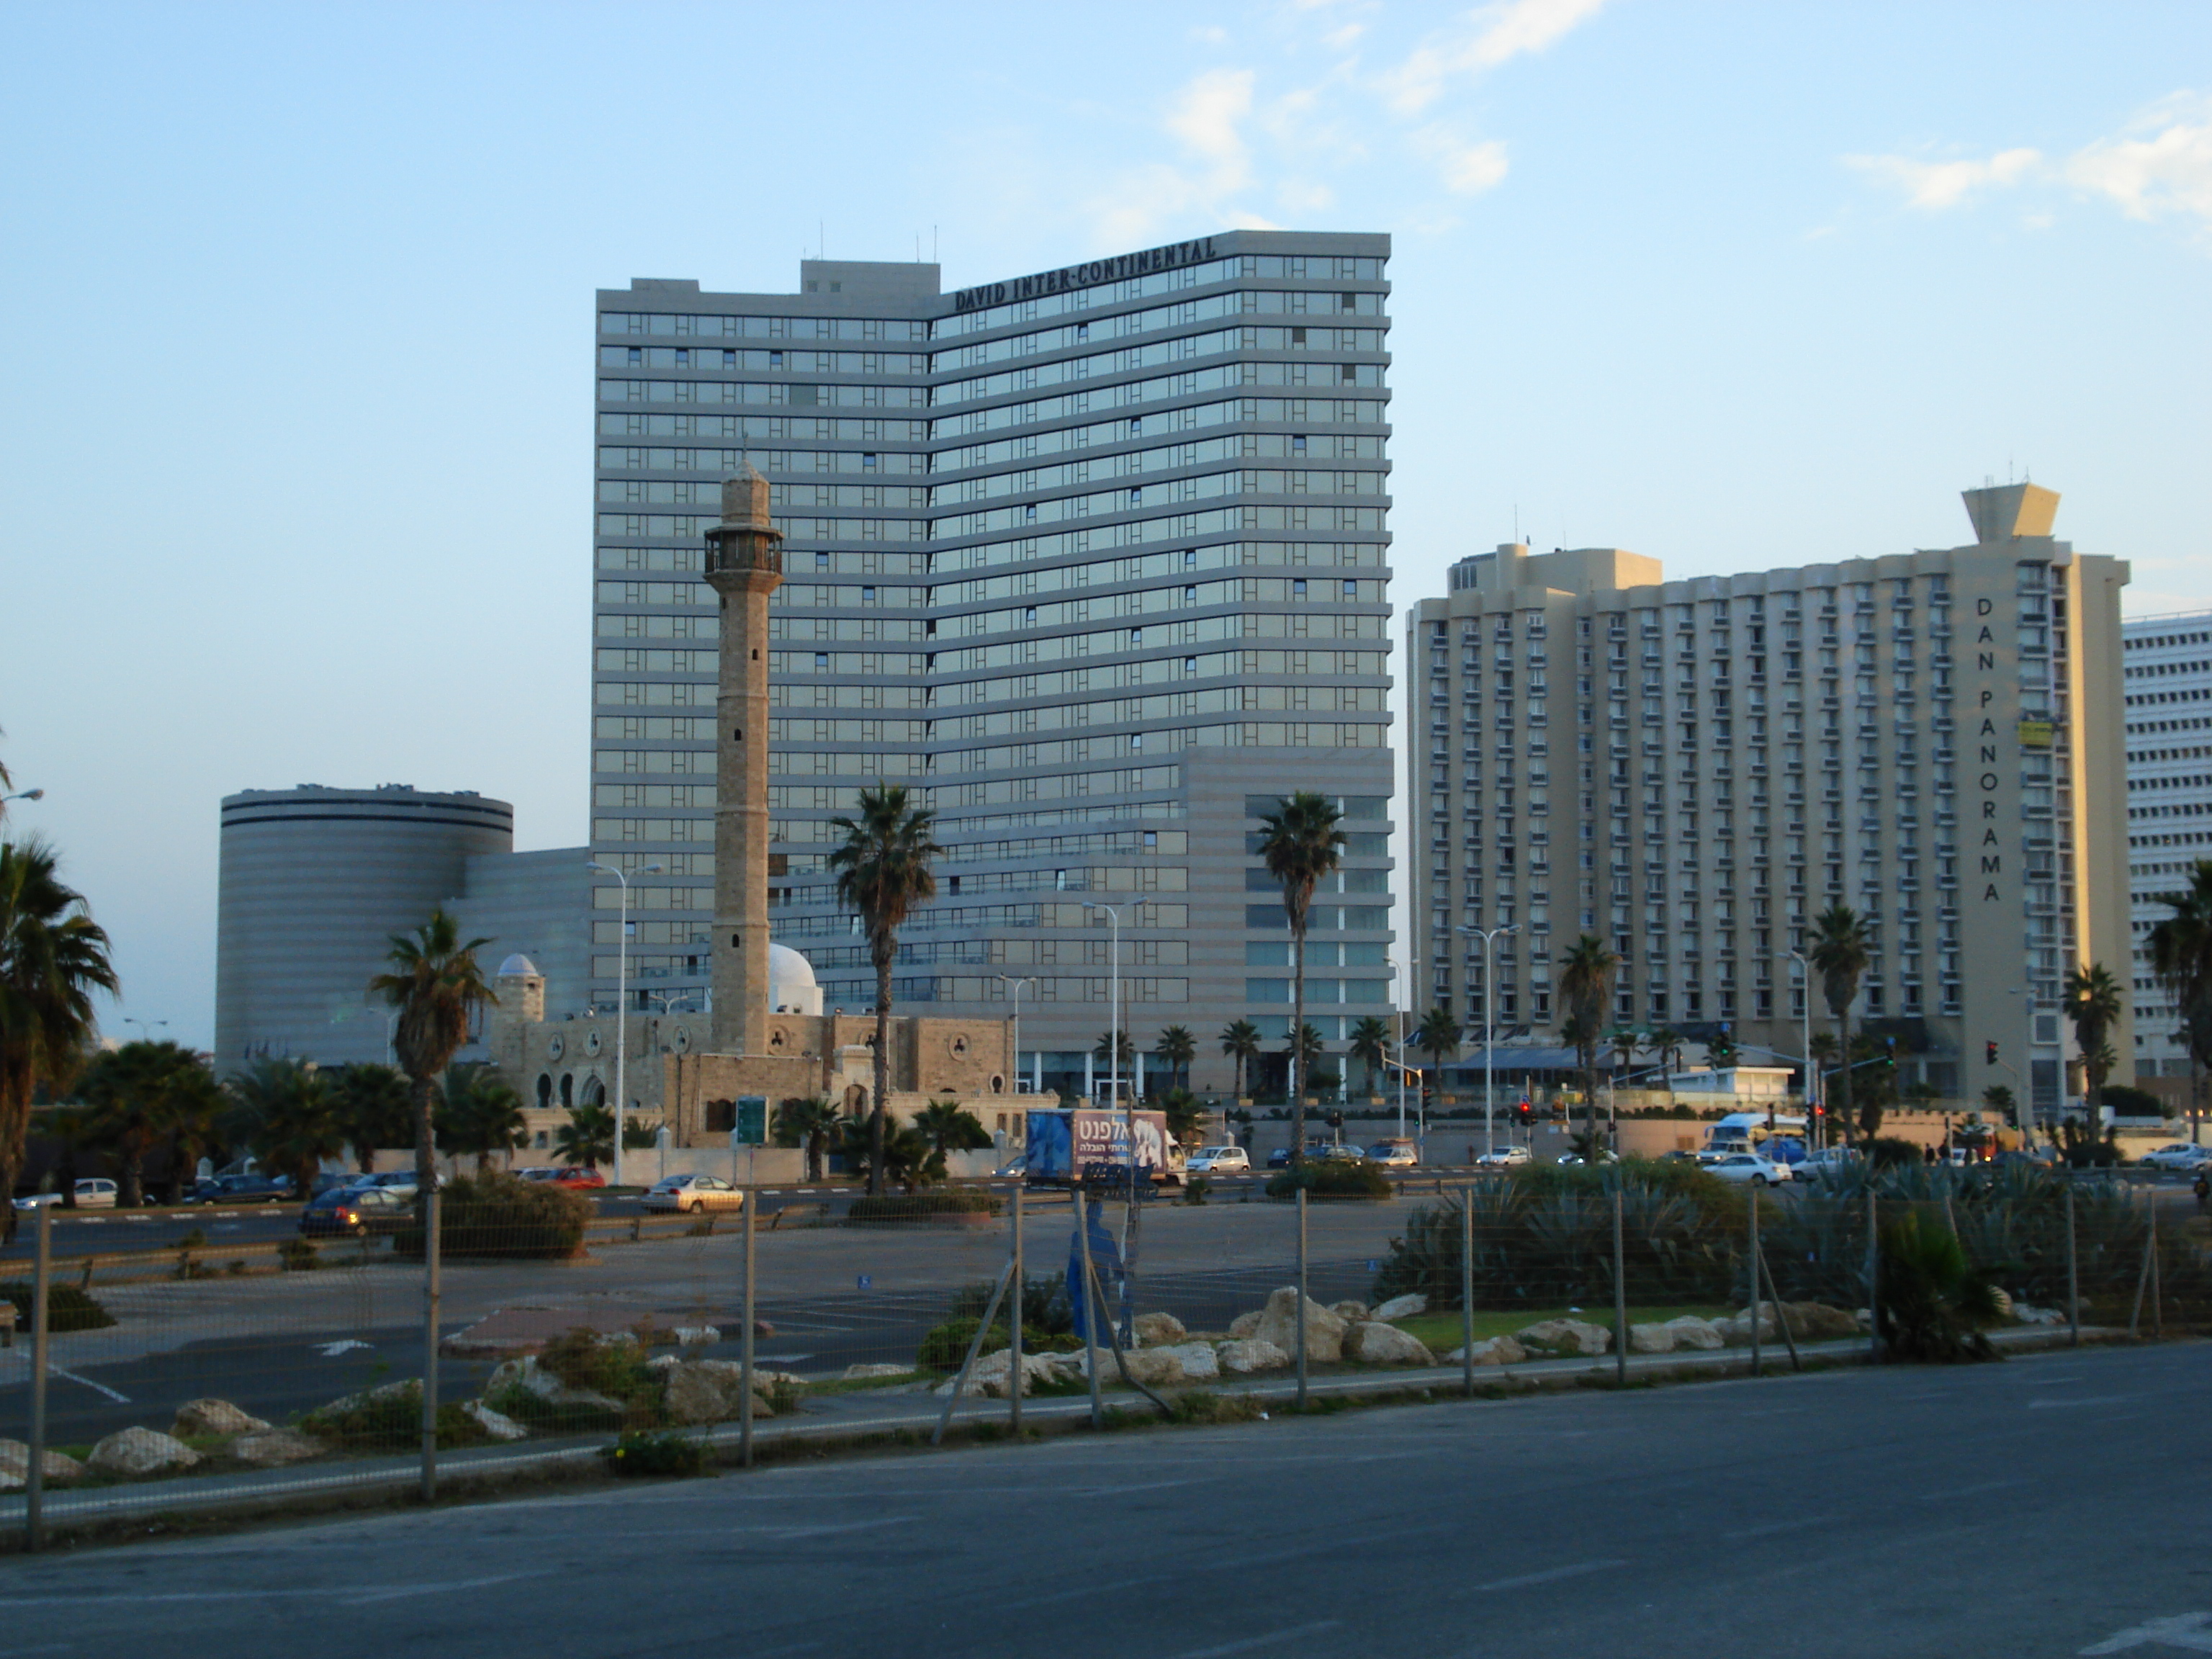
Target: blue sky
{"x": 297, "y": 432}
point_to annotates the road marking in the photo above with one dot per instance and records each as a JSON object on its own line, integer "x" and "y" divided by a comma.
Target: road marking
{"x": 2185, "y": 1631}
{"x": 332, "y": 1350}
{"x": 1267, "y": 1641}
{"x": 2084, "y": 1400}
{"x": 148, "y": 1219}
{"x": 1550, "y": 1576}
{"x": 76, "y": 1598}
{"x": 97, "y": 1388}
{"x": 398, "y": 1592}
{"x": 1772, "y": 1528}
{"x": 1968, "y": 1492}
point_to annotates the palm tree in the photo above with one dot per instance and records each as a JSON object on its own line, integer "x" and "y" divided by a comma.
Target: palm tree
{"x": 52, "y": 959}
{"x": 1301, "y": 846}
{"x": 1186, "y": 1118}
{"x": 142, "y": 1094}
{"x": 809, "y": 1123}
{"x": 1119, "y": 1058}
{"x": 1178, "y": 1048}
{"x": 286, "y": 1113}
{"x": 1666, "y": 1045}
{"x": 588, "y": 1138}
{"x": 73, "y": 1128}
{"x": 2181, "y": 957}
{"x": 908, "y": 1160}
{"x": 1240, "y": 1042}
{"x": 2092, "y": 1005}
{"x": 373, "y": 1104}
{"x": 1370, "y": 1044}
{"x": 1624, "y": 1042}
{"x": 1439, "y": 1035}
{"x": 883, "y": 873}
{"x": 1842, "y": 946}
{"x": 437, "y": 987}
{"x": 482, "y": 1114}
{"x": 950, "y": 1127}
{"x": 1586, "y": 987}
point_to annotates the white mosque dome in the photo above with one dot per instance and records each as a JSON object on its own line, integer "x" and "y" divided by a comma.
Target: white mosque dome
{"x": 518, "y": 966}
{"x": 791, "y": 985}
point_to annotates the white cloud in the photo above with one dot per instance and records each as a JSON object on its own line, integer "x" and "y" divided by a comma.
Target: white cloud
{"x": 1491, "y": 36}
{"x": 1467, "y": 167}
{"x": 1936, "y": 185}
{"x": 2159, "y": 167}
{"x": 1209, "y": 35}
{"x": 1206, "y": 116}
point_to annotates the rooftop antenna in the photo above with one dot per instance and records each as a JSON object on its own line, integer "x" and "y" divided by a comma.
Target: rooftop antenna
{"x": 932, "y": 244}
{"x": 819, "y": 233}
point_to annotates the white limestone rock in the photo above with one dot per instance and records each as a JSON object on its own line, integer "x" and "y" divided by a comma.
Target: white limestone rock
{"x": 1159, "y": 1330}
{"x": 213, "y": 1417}
{"x": 1401, "y": 1307}
{"x": 498, "y": 1425}
{"x": 697, "y": 1336}
{"x": 868, "y": 1373}
{"x": 704, "y": 1391}
{"x": 1350, "y": 1312}
{"x": 1245, "y": 1325}
{"x": 1497, "y": 1350}
{"x": 1374, "y": 1343}
{"x": 1199, "y": 1363}
{"x": 1241, "y": 1356}
{"x": 59, "y": 1467}
{"x": 1564, "y": 1336}
{"x": 536, "y": 1380}
{"x": 1652, "y": 1339}
{"x": 269, "y": 1448}
{"x": 1691, "y": 1332}
{"x": 136, "y": 1452}
{"x": 1278, "y": 1325}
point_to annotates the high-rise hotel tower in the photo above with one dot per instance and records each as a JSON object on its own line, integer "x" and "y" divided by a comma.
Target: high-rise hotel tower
{"x": 1094, "y": 560}
{"x": 1692, "y": 770}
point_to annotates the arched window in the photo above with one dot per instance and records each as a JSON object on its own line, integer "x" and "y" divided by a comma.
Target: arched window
{"x": 567, "y": 1090}
{"x": 544, "y": 1091}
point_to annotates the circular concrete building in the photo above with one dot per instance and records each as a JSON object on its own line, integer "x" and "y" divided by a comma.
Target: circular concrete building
{"x": 315, "y": 882}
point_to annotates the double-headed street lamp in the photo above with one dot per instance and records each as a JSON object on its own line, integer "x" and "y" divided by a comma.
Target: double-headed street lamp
{"x": 1488, "y": 936}
{"x": 145, "y": 1026}
{"x": 1814, "y": 1136}
{"x": 1014, "y": 984}
{"x": 622, "y": 1004}
{"x": 1113, "y": 1027}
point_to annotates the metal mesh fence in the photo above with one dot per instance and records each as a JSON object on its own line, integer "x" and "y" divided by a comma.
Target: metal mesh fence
{"x": 546, "y": 1328}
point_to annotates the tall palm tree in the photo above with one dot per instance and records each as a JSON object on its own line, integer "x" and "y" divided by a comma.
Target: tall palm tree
{"x": 2181, "y": 957}
{"x": 2092, "y": 1006}
{"x": 1119, "y": 1057}
{"x": 286, "y": 1113}
{"x": 950, "y": 1127}
{"x": 1438, "y": 1035}
{"x": 809, "y": 1123}
{"x": 1624, "y": 1042}
{"x": 883, "y": 874}
{"x": 1586, "y": 987}
{"x": 588, "y": 1138}
{"x": 482, "y": 1113}
{"x": 1842, "y": 946}
{"x": 1240, "y": 1042}
{"x": 1178, "y": 1048}
{"x": 1666, "y": 1045}
{"x": 374, "y": 1105}
{"x": 437, "y": 987}
{"x": 52, "y": 959}
{"x": 144, "y": 1093}
{"x": 1301, "y": 846}
{"x": 1370, "y": 1044}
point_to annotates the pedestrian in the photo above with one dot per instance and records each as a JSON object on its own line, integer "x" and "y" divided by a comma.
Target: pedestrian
{"x": 2203, "y": 1190}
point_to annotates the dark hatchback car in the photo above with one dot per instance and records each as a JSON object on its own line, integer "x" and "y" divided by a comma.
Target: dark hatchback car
{"x": 242, "y": 1189}
{"x": 355, "y": 1212}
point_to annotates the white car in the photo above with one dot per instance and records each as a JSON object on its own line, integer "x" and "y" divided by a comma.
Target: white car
{"x": 1828, "y": 1161}
{"x": 96, "y": 1194}
{"x": 694, "y": 1194}
{"x": 1394, "y": 1154}
{"x": 1219, "y": 1160}
{"x": 1749, "y": 1167}
{"x": 2180, "y": 1156}
{"x": 1501, "y": 1156}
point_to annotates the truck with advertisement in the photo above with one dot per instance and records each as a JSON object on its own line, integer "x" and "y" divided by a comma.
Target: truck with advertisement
{"x": 1090, "y": 1145}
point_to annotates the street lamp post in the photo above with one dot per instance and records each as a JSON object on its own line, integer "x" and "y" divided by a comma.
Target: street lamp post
{"x": 1114, "y": 1016}
{"x": 1488, "y": 935}
{"x": 23, "y": 794}
{"x": 2026, "y": 996}
{"x": 1015, "y": 985}
{"x": 145, "y": 1032}
{"x": 1815, "y": 1128}
{"x": 1400, "y": 1001}
{"x": 622, "y": 1004}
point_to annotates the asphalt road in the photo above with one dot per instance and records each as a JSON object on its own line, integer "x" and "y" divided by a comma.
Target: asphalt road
{"x": 2005, "y": 1510}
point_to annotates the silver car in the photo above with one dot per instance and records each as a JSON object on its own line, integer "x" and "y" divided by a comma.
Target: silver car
{"x": 692, "y": 1193}
{"x": 1749, "y": 1167}
{"x": 1219, "y": 1160}
{"x": 97, "y": 1193}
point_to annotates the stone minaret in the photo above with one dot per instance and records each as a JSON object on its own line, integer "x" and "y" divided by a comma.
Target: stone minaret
{"x": 745, "y": 563}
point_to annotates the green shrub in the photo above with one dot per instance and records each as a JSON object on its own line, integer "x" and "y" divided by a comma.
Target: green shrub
{"x": 1893, "y": 1151}
{"x": 1046, "y": 1310}
{"x": 944, "y": 1347}
{"x": 392, "y": 1422}
{"x": 638, "y": 1455}
{"x": 1196, "y": 1190}
{"x": 1331, "y": 1179}
{"x": 496, "y": 1215}
{"x": 583, "y": 1360}
{"x": 298, "y": 1255}
{"x": 918, "y": 1205}
{"x": 68, "y": 1308}
{"x": 1933, "y": 1302}
{"x": 2129, "y": 1102}
{"x": 191, "y": 1240}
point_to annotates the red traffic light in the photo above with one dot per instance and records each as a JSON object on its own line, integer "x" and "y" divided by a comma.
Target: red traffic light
{"x": 1989, "y": 1053}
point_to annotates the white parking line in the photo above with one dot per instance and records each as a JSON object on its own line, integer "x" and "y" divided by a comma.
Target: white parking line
{"x": 97, "y": 1388}
{"x": 1269, "y": 1640}
{"x": 1549, "y": 1575}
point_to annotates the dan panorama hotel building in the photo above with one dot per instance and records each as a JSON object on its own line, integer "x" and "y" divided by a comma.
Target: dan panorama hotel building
{"x": 1692, "y": 769}
{"x": 1094, "y": 561}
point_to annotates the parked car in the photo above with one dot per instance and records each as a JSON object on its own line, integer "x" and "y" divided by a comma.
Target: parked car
{"x": 1394, "y": 1154}
{"x": 1500, "y": 1156}
{"x": 400, "y": 1183}
{"x": 1279, "y": 1158}
{"x": 535, "y": 1172}
{"x": 355, "y": 1212}
{"x": 96, "y": 1193}
{"x": 575, "y": 1179}
{"x": 1828, "y": 1161}
{"x": 1218, "y": 1161}
{"x": 692, "y": 1192}
{"x": 1749, "y": 1167}
{"x": 2178, "y": 1155}
{"x": 1603, "y": 1157}
{"x": 1016, "y": 1168}
{"x": 242, "y": 1189}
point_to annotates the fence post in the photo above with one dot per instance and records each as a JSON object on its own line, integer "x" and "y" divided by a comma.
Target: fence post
{"x": 1619, "y": 1297}
{"x": 2073, "y": 1276}
{"x": 1873, "y": 1273}
{"x": 432, "y": 1251}
{"x": 34, "y": 1478}
{"x": 1301, "y": 1298}
{"x": 1757, "y": 1355}
{"x": 1466, "y": 1289}
{"x": 745, "y": 1342}
{"x": 1015, "y": 1381}
{"x": 1090, "y": 1310}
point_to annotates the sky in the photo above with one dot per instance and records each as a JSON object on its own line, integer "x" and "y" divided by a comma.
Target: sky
{"x": 295, "y": 442}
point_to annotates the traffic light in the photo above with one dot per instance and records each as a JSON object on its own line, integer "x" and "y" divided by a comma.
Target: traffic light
{"x": 1889, "y": 1052}
{"x": 1989, "y": 1053}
